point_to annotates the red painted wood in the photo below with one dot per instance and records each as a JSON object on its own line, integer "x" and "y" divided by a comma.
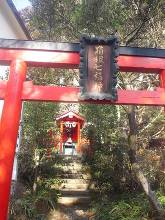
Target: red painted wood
{"x": 61, "y": 136}
{"x": 141, "y": 64}
{"x": 78, "y": 137}
{"x": 50, "y": 93}
{"x": 2, "y": 88}
{"x": 162, "y": 78}
{"x": 65, "y": 117}
{"x": 9, "y": 130}
{"x": 72, "y": 59}
{"x": 41, "y": 58}
{"x": 71, "y": 94}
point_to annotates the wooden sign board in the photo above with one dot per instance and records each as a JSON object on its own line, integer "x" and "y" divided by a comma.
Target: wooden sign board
{"x": 98, "y": 68}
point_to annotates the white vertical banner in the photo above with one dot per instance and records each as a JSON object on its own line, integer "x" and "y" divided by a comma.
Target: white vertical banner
{"x": 3, "y": 70}
{"x": 19, "y": 138}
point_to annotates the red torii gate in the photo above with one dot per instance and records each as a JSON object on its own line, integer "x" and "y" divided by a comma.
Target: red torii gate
{"x": 20, "y": 54}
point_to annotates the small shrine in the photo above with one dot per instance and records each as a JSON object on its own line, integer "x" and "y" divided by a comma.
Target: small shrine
{"x": 70, "y": 125}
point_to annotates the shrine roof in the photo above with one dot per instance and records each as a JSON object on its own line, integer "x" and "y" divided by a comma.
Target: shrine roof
{"x": 71, "y": 116}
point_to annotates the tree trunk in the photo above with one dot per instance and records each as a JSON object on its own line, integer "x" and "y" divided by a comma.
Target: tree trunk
{"x": 132, "y": 139}
{"x": 36, "y": 178}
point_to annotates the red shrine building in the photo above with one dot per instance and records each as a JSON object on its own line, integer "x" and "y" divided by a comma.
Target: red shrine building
{"x": 70, "y": 125}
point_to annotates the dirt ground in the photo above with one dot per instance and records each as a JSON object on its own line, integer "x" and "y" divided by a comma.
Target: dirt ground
{"x": 71, "y": 213}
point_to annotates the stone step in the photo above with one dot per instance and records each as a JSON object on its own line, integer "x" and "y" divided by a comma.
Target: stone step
{"x": 74, "y": 176}
{"x": 72, "y": 160}
{"x": 69, "y": 162}
{"x": 73, "y": 200}
{"x": 75, "y": 181}
{"x": 72, "y": 170}
{"x": 77, "y": 192}
{"x": 71, "y": 157}
{"x": 75, "y": 186}
{"x": 68, "y": 159}
{"x": 73, "y": 165}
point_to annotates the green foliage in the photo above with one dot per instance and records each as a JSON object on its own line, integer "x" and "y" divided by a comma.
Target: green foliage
{"x": 162, "y": 201}
{"x": 41, "y": 196}
{"x": 102, "y": 122}
{"x": 124, "y": 207}
{"x": 110, "y": 164}
{"x": 37, "y": 173}
{"x": 34, "y": 205}
{"x": 161, "y": 198}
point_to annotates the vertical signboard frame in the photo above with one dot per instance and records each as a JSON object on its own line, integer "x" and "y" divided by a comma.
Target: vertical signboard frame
{"x": 98, "y": 68}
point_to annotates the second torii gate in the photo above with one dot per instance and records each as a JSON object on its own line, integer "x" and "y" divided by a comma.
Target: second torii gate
{"x": 20, "y": 54}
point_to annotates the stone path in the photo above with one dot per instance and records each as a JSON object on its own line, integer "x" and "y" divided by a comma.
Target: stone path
{"x": 74, "y": 202}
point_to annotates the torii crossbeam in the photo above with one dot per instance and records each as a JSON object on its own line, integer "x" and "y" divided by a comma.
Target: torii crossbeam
{"x": 20, "y": 54}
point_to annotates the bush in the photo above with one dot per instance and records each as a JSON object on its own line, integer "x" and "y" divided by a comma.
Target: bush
{"x": 127, "y": 207}
{"x": 33, "y": 205}
{"x": 161, "y": 199}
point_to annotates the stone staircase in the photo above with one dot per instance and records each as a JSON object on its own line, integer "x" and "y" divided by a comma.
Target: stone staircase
{"x": 75, "y": 182}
